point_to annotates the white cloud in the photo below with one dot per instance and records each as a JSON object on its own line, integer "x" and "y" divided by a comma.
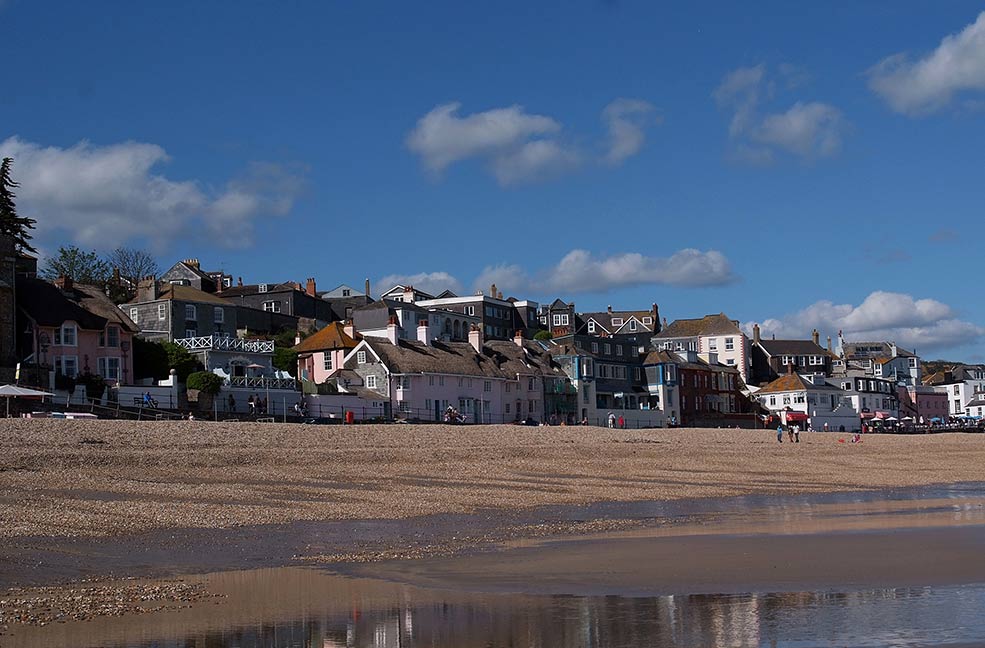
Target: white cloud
{"x": 808, "y": 130}
{"x": 931, "y": 83}
{"x": 626, "y": 121}
{"x": 430, "y": 282}
{"x": 912, "y": 323}
{"x": 579, "y": 271}
{"x": 105, "y": 196}
{"x": 520, "y": 147}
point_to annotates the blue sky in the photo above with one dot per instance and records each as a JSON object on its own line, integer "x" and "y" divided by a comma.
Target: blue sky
{"x": 797, "y": 165}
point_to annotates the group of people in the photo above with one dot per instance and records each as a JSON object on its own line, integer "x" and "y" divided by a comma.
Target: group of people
{"x": 452, "y": 415}
{"x": 256, "y": 404}
{"x": 300, "y": 409}
{"x": 616, "y": 422}
{"x": 793, "y": 433}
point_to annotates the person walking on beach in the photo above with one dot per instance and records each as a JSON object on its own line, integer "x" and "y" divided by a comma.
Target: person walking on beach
{"x": 779, "y": 433}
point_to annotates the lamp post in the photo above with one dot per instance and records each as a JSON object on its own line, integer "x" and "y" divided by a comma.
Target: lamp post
{"x": 125, "y": 347}
{"x": 43, "y": 342}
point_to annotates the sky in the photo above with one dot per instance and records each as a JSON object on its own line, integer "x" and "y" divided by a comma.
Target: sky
{"x": 799, "y": 165}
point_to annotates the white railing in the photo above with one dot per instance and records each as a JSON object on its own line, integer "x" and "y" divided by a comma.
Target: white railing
{"x": 219, "y": 343}
{"x": 262, "y": 382}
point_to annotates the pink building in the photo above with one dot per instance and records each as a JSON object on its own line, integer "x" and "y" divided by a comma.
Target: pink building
{"x": 927, "y": 403}
{"x": 320, "y": 355}
{"x": 75, "y": 329}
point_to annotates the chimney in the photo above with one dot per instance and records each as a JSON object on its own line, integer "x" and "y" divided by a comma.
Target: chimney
{"x": 392, "y": 331}
{"x": 409, "y": 295}
{"x": 816, "y": 337}
{"x": 309, "y": 289}
{"x": 297, "y": 338}
{"x": 829, "y": 344}
{"x": 192, "y": 263}
{"x": 475, "y": 338}
{"x": 518, "y": 338}
{"x": 239, "y": 281}
{"x": 665, "y": 322}
{"x": 789, "y": 368}
{"x": 64, "y": 283}
{"x": 499, "y": 295}
{"x": 367, "y": 287}
{"x": 147, "y": 289}
{"x": 349, "y": 329}
{"x": 220, "y": 284}
{"x": 609, "y": 308}
{"x": 755, "y": 334}
{"x": 422, "y": 333}
{"x": 492, "y": 291}
{"x": 893, "y": 349}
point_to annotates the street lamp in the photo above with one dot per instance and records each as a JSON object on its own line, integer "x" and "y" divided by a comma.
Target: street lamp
{"x": 124, "y": 347}
{"x": 43, "y": 343}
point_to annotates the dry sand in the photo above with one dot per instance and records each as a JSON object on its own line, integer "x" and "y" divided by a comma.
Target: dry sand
{"x": 107, "y": 478}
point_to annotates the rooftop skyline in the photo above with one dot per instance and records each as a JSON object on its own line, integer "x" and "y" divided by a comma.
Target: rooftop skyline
{"x": 798, "y": 166}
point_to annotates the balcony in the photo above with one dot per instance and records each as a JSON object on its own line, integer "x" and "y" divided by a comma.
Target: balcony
{"x": 220, "y": 343}
{"x": 262, "y": 382}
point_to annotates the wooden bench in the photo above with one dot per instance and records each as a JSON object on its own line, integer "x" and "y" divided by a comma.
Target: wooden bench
{"x": 265, "y": 419}
{"x": 138, "y": 401}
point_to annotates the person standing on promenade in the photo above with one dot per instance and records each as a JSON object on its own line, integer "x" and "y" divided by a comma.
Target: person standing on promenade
{"x": 612, "y": 420}
{"x": 779, "y": 433}
{"x": 622, "y": 422}
{"x": 232, "y": 403}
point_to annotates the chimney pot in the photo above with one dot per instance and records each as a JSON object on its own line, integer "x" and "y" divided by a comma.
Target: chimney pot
{"x": 367, "y": 287}
{"x": 392, "y": 330}
{"x": 609, "y": 308}
{"x": 756, "y": 333}
{"x": 518, "y": 337}
{"x": 310, "y": 287}
{"x": 816, "y": 337}
{"x": 422, "y": 332}
{"x": 239, "y": 281}
{"x": 475, "y": 338}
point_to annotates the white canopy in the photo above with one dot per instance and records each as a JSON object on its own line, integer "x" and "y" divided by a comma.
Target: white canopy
{"x": 13, "y": 391}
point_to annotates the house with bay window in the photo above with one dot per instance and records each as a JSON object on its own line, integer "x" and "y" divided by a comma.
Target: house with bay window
{"x": 72, "y": 329}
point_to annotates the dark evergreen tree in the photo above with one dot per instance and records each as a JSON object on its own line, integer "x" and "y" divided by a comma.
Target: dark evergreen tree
{"x": 10, "y": 223}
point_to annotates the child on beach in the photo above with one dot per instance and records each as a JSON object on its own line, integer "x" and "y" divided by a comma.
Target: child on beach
{"x": 779, "y": 433}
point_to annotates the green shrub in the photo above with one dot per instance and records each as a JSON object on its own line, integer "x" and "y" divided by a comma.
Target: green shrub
{"x": 543, "y": 335}
{"x": 204, "y": 381}
{"x": 95, "y": 385}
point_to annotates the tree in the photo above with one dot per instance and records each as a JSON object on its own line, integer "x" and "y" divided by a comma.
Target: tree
{"x": 181, "y": 361}
{"x": 82, "y": 267}
{"x": 204, "y": 381}
{"x": 150, "y": 359}
{"x": 10, "y": 223}
{"x": 133, "y": 264}
{"x": 286, "y": 360}
{"x": 543, "y": 335}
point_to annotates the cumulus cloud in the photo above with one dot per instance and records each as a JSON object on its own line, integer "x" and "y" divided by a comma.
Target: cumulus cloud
{"x": 626, "y": 121}
{"x": 932, "y": 82}
{"x": 580, "y": 271}
{"x": 430, "y": 282}
{"x": 105, "y": 196}
{"x": 807, "y": 130}
{"x": 520, "y": 147}
{"x": 912, "y": 323}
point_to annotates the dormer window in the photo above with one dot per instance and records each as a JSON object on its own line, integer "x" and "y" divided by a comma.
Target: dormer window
{"x": 647, "y": 321}
{"x": 591, "y": 326}
{"x": 361, "y": 357}
{"x": 632, "y": 325}
{"x": 262, "y": 288}
{"x": 346, "y": 292}
{"x": 617, "y": 321}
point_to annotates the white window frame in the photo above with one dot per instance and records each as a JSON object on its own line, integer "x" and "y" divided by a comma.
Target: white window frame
{"x": 103, "y": 367}
{"x": 218, "y": 315}
{"x": 713, "y": 344}
{"x": 360, "y": 357}
{"x": 162, "y": 311}
{"x": 595, "y": 347}
{"x": 729, "y": 344}
{"x": 470, "y": 310}
{"x": 191, "y": 313}
{"x": 617, "y": 321}
{"x": 327, "y": 362}
{"x": 647, "y": 321}
{"x": 272, "y": 306}
{"x": 110, "y": 331}
{"x": 370, "y": 382}
{"x": 632, "y": 325}
{"x": 262, "y": 288}
{"x": 190, "y": 333}
{"x": 64, "y": 332}
{"x": 134, "y": 314}
{"x": 591, "y": 326}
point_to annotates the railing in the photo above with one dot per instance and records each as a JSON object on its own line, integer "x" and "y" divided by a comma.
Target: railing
{"x": 262, "y": 382}
{"x": 219, "y": 343}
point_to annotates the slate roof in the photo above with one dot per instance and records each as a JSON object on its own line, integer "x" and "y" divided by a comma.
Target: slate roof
{"x": 499, "y": 358}
{"x": 786, "y": 383}
{"x": 95, "y": 301}
{"x": 188, "y": 294}
{"x": 254, "y": 289}
{"x": 851, "y": 348}
{"x": 605, "y": 319}
{"x": 793, "y": 347}
{"x": 718, "y": 324}
{"x": 661, "y": 357}
{"x": 332, "y": 336}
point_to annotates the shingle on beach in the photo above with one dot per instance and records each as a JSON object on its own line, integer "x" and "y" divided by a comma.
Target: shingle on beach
{"x": 103, "y": 478}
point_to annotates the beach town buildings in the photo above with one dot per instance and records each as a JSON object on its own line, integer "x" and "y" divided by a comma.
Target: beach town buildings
{"x": 772, "y": 358}
{"x": 810, "y": 399}
{"x": 322, "y": 354}
{"x": 709, "y": 334}
{"x": 880, "y": 360}
{"x": 288, "y": 298}
{"x": 923, "y": 403}
{"x": 964, "y": 387}
{"x": 71, "y": 329}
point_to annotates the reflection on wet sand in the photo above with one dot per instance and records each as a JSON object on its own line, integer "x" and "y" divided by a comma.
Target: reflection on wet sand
{"x": 303, "y": 607}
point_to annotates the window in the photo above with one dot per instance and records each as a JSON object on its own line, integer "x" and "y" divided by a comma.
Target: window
{"x": 370, "y": 382}
{"x": 112, "y": 336}
{"x": 595, "y": 347}
{"x": 913, "y": 363}
{"x": 632, "y": 325}
{"x": 957, "y": 389}
{"x": 786, "y": 360}
{"x": 730, "y": 362}
{"x": 786, "y": 399}
{"x": 772, "y": 399}
{"x": 190, "y": 332}
{"x": 618, "y": 349}
{"x": 530, "y": 384}
{"x": 133, "y": 315}
{"x": 430, "y": 381}
{"x": 218, "y": 315}
{"x": 729, "y": 344}
{"x": 532, "y": 406}
{"x": 507, "y": 408}
{"x": 584, "y": 397}
{"x": 271, "y": 306}
{"x": 799, "y": 398}
{"x": 262, "y": 288}
{"x": 162, "y": 311}
{"x": 470, "y": 310}
{"x": 713, "y": 344}
{"x": 487, "y": 386}
{"x": 607, "y": 348}
{"x": 346, "y": 292}
{"x": 617, "y": 321}
{"x": 647, "y": 321}
{"x": 403, "y": 382}
{"x": 361, "y": 357}
{"x": 65, "y": 335}
{"x": 591, "y": 326}
{"x": 67, "y": 365}
{"x": 108, "y": 368}
{"x": 328, "y": 362}
{"x": 817, "y": 360}
{"x": 441, "y": 381}
{"x": 190, "y": 313}
{"x": 509, "y": 387}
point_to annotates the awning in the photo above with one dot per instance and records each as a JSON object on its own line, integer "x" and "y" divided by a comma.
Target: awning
{"x": 795, "y": 416}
